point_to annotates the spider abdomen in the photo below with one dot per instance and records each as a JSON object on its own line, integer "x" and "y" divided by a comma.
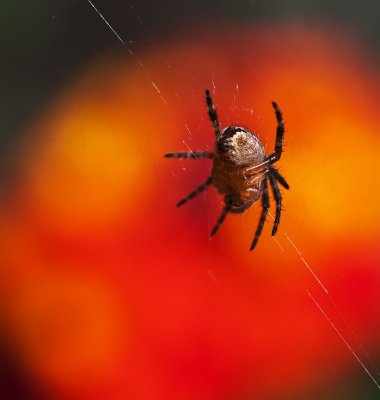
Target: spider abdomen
{"x": 239, "y": 146}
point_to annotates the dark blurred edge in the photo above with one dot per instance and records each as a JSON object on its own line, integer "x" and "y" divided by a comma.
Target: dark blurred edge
{"x": 15, "y": 383}
{"x": 45, "y": 42}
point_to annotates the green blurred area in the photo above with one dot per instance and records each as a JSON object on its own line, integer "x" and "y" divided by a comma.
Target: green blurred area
{"x": 45, "y": 42}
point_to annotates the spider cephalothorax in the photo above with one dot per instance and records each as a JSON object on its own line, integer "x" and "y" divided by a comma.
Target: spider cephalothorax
{"x": 241, "y": 170}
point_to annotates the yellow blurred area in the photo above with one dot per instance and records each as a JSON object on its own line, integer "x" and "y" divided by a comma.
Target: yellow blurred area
{"x": 337, "y": 179}
{"x": 84, "y": 162}
{"x": 330, "y": 144}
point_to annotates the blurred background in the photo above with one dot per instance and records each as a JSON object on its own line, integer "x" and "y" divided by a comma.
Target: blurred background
{"x": 108, "y": 291}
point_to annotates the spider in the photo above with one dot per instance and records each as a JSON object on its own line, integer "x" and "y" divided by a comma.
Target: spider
{"x": 241, "y": 170}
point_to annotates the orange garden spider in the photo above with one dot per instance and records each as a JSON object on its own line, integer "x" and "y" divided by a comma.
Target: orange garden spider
{"x": 241, "y": 170}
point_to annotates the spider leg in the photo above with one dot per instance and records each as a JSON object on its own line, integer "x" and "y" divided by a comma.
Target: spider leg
{"x": 264, "y": 212}
{"x": 280, "y": 131}
{"x": 241, "y": 209}
{"x": 259, "y": 168}
{"x": 278, "y": 200}
{"x": 194, "y": 193}
{"x": 212, "y": 113}
{"x": 190, "y": 154}
{"x": 253, "y": 173}
{"x": 279, "y": 178}
{"x": 279, "y": 135}
{"x": 222, "y": 217}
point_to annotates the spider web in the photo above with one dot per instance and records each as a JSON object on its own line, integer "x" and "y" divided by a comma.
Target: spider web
{"x": 285, "y": 241}
{"x": 296, "y": 249}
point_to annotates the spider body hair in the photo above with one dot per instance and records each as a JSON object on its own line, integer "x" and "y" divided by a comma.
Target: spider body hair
{"x": 241, "y": 171}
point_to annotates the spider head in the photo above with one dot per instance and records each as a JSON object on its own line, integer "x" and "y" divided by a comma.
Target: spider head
{"x": 239, "y": 146}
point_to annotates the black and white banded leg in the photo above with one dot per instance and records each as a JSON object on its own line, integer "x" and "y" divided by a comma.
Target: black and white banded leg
{"x": 279, "y": 135}
{"x": 264, "y": 212}
{"x": 278, "y": 200}
{"x": 194, "y": 193}
{"x": 222, "y": 217}
{"x": 212, "y": 113}
{"x": 190, "y": 154}
{"x": 279, "y": 178}
{"x": 241, "y": 209}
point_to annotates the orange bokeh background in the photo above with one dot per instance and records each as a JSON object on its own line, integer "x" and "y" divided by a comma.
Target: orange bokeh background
{"x": 111, "y": 292}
